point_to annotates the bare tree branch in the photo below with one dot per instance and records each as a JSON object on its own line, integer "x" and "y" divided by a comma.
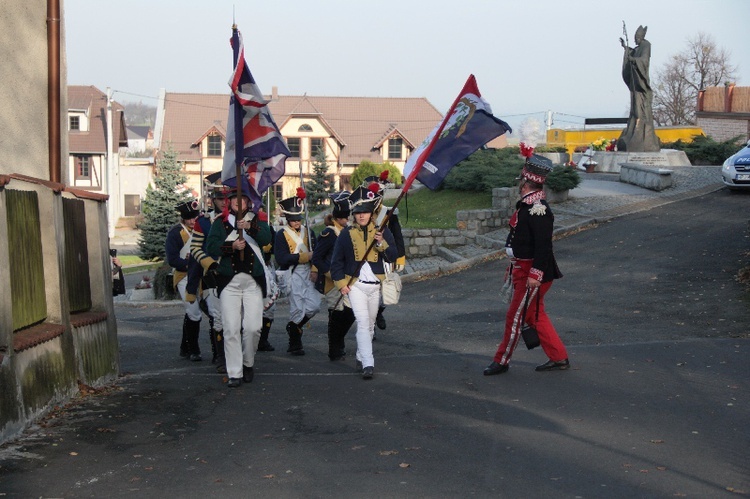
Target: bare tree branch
{"x": 702, "y": 64}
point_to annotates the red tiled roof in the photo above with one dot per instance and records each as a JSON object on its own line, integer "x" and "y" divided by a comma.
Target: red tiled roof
{"x": 360, "y": 123}
{"x": 94, "y": 102}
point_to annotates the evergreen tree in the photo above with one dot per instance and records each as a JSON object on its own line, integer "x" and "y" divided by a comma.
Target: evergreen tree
{"x": 320, "y": 183}
{"x": 158, "y": 209}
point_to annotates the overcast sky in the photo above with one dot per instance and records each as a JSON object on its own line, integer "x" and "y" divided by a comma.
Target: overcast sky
{"x": 528, "y": 56}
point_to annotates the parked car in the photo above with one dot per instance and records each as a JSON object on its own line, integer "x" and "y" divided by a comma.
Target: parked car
{"x": 735, "y": 173}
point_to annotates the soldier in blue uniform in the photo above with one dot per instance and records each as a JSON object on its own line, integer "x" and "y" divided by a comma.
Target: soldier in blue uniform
{"x": 177, "y": 248}
{"x": 340, "y": 314}
{"x": 395, "y": 227}
{"x": 293, "y": 250}
{"x": 357, "y": 273}
{"x": 200, "y": 283}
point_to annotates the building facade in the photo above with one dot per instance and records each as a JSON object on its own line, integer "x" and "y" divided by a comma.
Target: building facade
{"x": 724, "y": 112}
{"x": 347, "y": 129}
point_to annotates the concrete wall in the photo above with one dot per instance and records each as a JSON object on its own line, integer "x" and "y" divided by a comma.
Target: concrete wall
{"x": 721, "y": 129}
{"x": 23, "y": 91}
{"x": 41, "y": 364}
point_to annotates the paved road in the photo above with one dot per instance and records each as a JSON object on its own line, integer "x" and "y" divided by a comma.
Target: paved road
{"x": 655, "y": 405}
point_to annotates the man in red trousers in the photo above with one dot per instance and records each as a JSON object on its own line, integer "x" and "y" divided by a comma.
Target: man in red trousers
{"x": 532, "y": 270}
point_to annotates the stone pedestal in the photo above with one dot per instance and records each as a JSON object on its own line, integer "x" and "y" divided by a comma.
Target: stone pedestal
{"x": 610, "y": 161}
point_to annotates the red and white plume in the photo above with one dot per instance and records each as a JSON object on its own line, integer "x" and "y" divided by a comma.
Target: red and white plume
{"x": 301, "y": 193}
{"x": 530, "y": 133}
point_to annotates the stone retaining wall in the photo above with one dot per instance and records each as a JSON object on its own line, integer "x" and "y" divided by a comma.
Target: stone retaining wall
{"x": 469, "y": 224}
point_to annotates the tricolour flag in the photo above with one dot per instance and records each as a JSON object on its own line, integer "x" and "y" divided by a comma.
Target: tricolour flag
{"x": 468, "y": 125}
{"x": 253, "y": 140}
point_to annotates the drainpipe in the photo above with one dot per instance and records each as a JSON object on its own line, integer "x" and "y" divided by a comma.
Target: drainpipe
{"x": 111, "y": 204}
{"x": 53, "y": 88}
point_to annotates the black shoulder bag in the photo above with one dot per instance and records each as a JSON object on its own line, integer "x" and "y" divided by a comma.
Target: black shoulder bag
{"x": 528, "y": 333}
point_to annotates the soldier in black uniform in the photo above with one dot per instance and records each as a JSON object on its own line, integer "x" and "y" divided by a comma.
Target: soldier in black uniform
{"x": 340, "y": 314}
{"x": 533, "y": 268}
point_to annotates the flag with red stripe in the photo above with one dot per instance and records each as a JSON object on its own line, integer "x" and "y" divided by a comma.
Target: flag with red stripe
{"x": 253, "y": 140}
{"x": 468, "y": 125}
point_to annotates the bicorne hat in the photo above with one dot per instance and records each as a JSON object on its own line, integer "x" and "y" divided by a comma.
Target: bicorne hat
{"x": 292, "y": 208}
{"x": 214, "y": 186}
{"x": 365, "y": 199}
{"x": 340, "y": 202}
{"x": 188, "y": 209}
{"x": 381, "y": 180}
{"x": 536, "y": 168}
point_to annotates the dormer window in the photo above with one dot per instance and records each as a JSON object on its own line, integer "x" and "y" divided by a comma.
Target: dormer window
{"x": 75, "y": 122}
{"x": 394, "y": 147}
{"x": 305, "y": 128}
{"x": 214, "y": 146}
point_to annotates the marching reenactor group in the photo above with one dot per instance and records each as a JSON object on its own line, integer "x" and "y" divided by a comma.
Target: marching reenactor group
{"x": 223, "y": 263}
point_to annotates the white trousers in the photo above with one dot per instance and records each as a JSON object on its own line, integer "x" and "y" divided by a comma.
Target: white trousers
{"x": 304, "y": 300}
{"x": 365, "y": 299}
{"x": 214, "y": 307}
{"x": 241, "y": 310}
{"x": 193, "y": 310}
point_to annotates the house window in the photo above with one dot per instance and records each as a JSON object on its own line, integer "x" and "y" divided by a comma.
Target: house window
{"x": 75, "y": 122}
{"x": 305, "y": 128}
{"x": 278, "y": 191}
{"x": 394, "y": 148}
{"x": 132, "y": 205}
{"x": 214, "y": 146}
{"x": 293, "y": 144}
{"x": 83, "y": 167}
{"x": 315, "y": 146}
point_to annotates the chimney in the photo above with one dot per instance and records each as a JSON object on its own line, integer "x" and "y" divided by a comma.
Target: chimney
{"x": 701, "y": 95}
{"x": 274, "y": 93}
{"x": 728, "y": 91}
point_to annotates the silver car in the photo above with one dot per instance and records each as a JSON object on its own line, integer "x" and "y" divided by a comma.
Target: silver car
{"x": 735, "y": 173}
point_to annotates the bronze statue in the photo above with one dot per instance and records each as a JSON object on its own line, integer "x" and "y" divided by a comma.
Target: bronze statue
{"x": 639, "y": 135}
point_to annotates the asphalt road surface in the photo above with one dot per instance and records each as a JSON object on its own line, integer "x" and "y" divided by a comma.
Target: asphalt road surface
{"x": 655, "y": 404}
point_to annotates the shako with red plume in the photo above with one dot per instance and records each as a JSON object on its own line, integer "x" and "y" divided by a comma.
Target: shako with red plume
{"x": 294, "y": 207}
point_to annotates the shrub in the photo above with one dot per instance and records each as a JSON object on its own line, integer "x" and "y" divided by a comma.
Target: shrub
{"x": 485, "y": 170}
{"x": 563, "y": 178}
{"x": 705, "y": 150}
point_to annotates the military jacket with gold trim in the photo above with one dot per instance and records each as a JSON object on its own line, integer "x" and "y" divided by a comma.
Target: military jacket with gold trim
{"x": 350, "y": 249}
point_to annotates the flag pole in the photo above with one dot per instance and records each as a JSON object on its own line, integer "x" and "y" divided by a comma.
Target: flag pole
{"x": 307, "y": 221}
{"x": 237, "y": 157}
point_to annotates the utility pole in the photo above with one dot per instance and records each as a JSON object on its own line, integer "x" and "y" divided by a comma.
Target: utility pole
{"x": 110, "y": 202}
{"x": 549, "y": 119}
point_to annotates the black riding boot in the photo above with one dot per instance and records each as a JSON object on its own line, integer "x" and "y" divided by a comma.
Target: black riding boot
{"x": 334, "y": 344}
{"x": 212, "y": 337}
{"x": 295, "y": 339}
{"x": 191, "y": 329}
{"x": 221, "y": 361}
{"x": 347, "y": 319}
{"x": 184, "y": 348}
{"x": 263, "y": 344}
{"x": 379, "y": 319}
